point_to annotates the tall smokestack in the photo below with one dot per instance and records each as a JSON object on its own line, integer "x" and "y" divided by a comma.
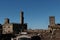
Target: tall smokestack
{"x": 22, "y": 17}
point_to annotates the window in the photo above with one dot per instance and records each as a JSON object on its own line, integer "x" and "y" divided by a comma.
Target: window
{"x": 9, "y": 31}
{"x": 8, "y": 26}
{"x": 4, "y": 27}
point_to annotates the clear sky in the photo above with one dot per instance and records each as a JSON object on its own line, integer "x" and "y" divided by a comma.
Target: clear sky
{"x": 36, "y": 12}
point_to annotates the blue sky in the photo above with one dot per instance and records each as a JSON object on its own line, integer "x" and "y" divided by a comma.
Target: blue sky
{"x": 36, "y": 12}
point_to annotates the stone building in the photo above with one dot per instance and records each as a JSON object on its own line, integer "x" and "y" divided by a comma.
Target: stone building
{"x": 13, "y": 28}
{"x": 19, "y": 31}
{"x": 52, "y": 24}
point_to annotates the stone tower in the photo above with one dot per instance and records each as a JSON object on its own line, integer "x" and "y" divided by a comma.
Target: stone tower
{"x": 52, "y": 20}
{"x": 7, "y": 27}
{"x": 21, "y": 17}
{"x": 23, "y": 25}
{"x": 6, "y": 21}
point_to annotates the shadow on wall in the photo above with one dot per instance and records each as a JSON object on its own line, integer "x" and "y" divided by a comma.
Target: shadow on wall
{"x": 35, "y": 38}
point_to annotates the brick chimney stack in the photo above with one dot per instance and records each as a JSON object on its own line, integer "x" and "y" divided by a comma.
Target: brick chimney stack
{"x": 22, "y": 17}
